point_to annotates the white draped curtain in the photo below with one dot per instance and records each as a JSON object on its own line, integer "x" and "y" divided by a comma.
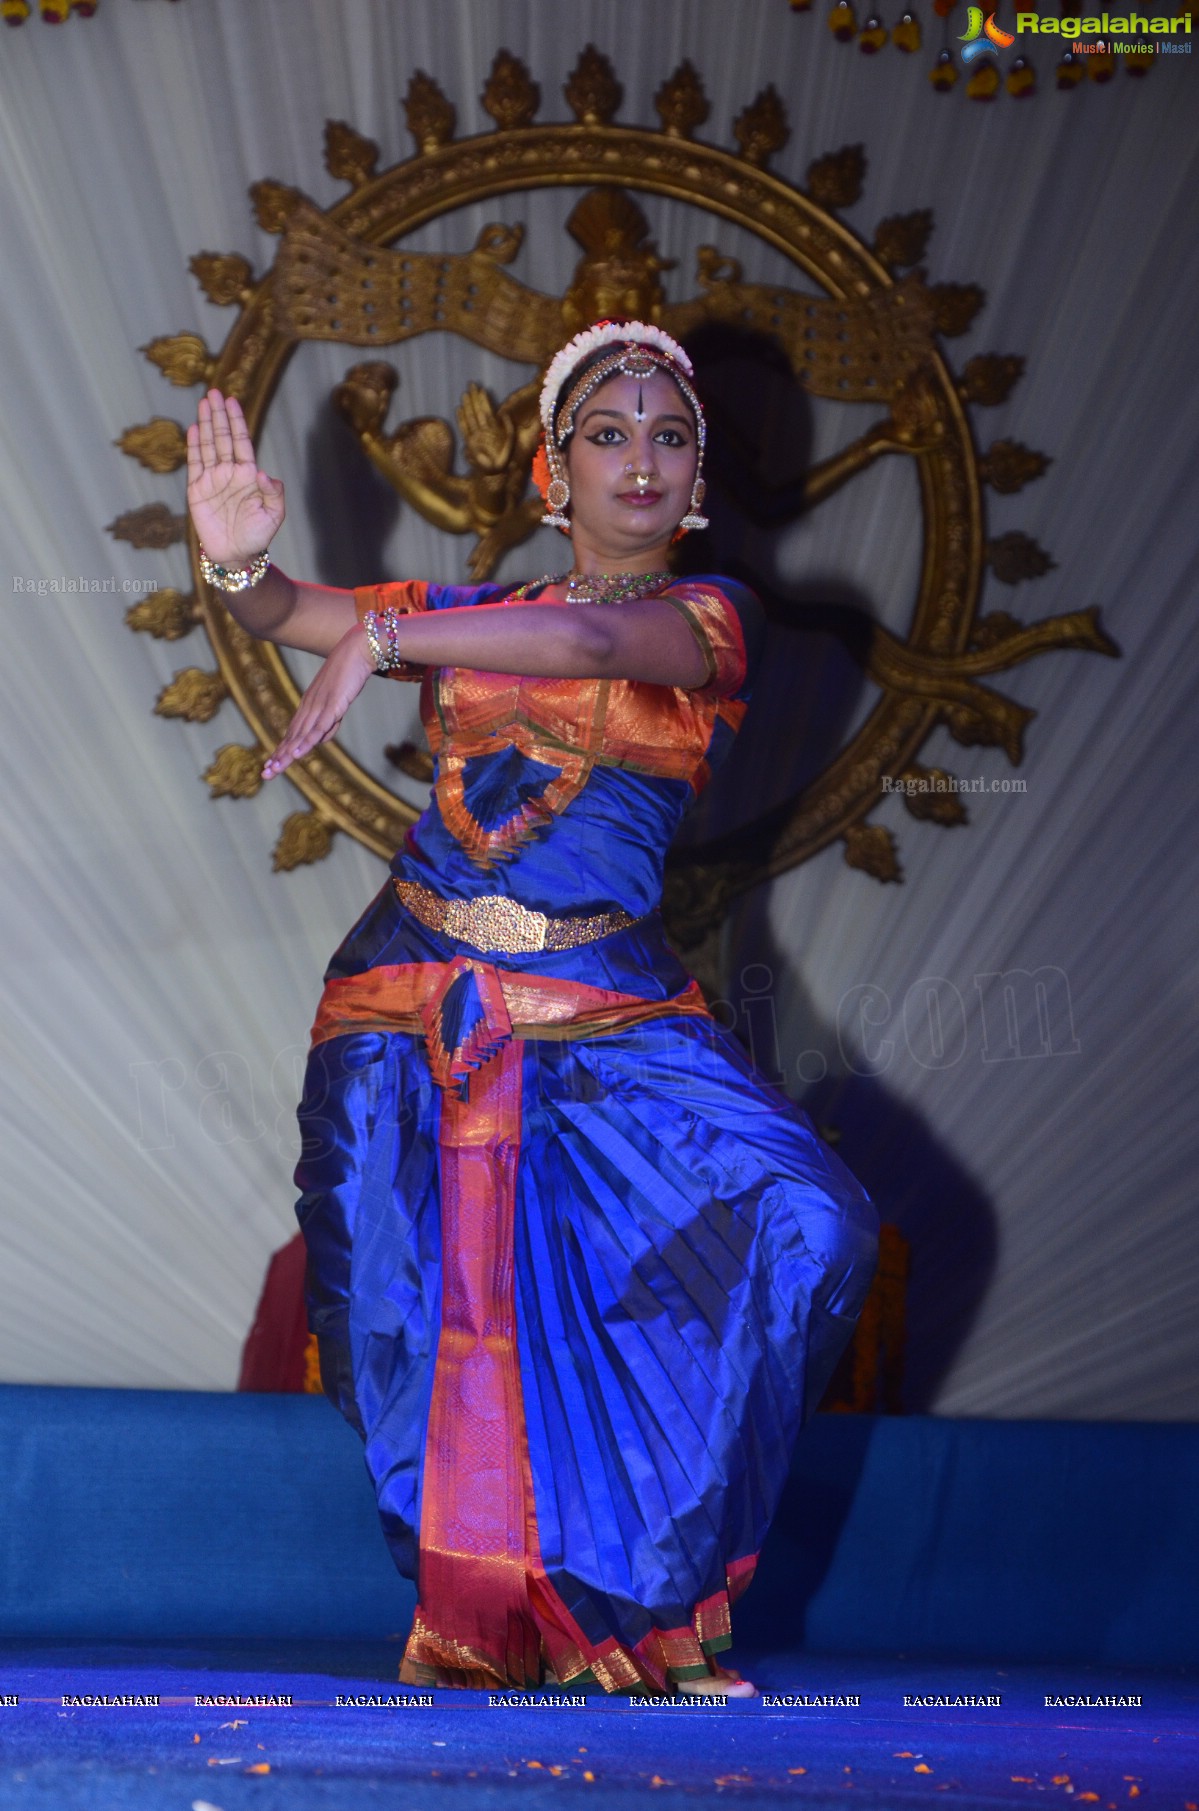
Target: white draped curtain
{"x": 159, "y": 979}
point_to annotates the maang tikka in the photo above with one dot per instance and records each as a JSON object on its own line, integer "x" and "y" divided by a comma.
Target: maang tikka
{"x": 639, "y": 349}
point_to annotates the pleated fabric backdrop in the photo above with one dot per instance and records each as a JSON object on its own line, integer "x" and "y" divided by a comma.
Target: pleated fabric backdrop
{"x": 158, "y": 979}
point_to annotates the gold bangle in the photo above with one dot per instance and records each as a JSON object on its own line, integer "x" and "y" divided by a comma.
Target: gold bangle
{"x": 234, "y": 578}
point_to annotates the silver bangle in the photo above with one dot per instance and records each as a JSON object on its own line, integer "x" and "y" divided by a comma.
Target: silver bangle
{"x": 234, "y": 578}
{"x": 384, "y": 662}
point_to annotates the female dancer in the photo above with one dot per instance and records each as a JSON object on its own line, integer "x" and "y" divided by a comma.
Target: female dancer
{"x": 578, "y": 1274}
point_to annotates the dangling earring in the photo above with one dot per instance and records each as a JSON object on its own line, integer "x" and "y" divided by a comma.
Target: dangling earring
{"x": 693, "y": 519}
{"x": 557, "y": 493}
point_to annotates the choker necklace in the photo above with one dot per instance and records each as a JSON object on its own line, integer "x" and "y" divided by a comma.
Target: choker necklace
{"x": 601, "y": 587}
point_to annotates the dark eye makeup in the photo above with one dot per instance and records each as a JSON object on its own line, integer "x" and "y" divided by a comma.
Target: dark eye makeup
{"x": 668, "y": 436}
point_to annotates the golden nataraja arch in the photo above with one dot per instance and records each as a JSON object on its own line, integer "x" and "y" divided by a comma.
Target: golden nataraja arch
{"x": 872, "y": 332}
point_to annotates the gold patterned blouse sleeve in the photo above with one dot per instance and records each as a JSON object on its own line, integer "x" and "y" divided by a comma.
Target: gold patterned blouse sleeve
{"x": 407, "y": 597}
{"x": 716, "y": 626}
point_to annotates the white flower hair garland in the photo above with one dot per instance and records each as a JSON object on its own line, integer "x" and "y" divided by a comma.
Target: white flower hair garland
{"x": 605, "y": 333}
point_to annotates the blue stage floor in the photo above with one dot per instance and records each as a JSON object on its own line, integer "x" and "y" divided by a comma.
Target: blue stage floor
{"x": 314, "y": 1755}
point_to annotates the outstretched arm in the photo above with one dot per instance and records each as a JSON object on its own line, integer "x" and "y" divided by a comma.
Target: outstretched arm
{"x": 647, "y": 639}
{"x": 643, "y": 639}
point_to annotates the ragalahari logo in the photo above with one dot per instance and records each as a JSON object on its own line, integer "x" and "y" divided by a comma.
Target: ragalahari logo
{"x": 983, "y": 35}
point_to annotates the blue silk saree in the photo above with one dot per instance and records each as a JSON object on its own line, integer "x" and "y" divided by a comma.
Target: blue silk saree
{"x": 578, "y": 1274}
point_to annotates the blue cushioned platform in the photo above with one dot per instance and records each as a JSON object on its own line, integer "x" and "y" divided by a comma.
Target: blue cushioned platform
{"x": 151, "y": 1515}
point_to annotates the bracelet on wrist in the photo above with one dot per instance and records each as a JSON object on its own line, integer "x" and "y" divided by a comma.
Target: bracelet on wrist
{"x": 385, "y": 660}
{"x": 234, "y": 578}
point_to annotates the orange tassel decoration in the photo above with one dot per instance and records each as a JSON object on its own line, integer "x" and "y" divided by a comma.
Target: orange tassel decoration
{"x": 1021, "y": 79}
{"x": 943, "y": 73}
{"x": 983, "y": 85}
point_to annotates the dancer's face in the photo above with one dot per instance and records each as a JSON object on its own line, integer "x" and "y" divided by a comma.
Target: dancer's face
{"x": 630, "y": 428}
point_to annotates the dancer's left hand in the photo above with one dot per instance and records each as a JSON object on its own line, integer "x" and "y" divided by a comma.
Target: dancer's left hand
{"x": 326, "y": 701}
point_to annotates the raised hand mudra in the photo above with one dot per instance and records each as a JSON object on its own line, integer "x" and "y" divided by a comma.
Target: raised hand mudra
{"x": 236, "y": 508}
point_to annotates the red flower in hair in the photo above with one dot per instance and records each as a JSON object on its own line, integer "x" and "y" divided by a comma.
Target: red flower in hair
{"x": 541, "y": 469}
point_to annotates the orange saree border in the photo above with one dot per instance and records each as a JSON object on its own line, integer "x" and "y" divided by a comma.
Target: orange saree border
{"x": 474, "y": 1512}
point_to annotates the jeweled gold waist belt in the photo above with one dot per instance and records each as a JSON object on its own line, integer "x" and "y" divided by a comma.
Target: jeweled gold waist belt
{"x": 494, "y": 922}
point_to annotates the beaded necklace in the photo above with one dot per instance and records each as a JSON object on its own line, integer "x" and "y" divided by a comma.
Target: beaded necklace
{"x": 599, "y": 587}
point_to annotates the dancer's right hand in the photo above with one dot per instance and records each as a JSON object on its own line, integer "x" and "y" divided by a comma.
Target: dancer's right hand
{"x": 237, "y": 509}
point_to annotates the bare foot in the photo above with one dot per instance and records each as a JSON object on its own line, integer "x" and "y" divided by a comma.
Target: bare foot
{"x": 722, "y": 1682}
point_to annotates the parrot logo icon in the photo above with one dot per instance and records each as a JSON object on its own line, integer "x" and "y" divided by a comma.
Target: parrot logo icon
{"x": 983, "y": 36}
